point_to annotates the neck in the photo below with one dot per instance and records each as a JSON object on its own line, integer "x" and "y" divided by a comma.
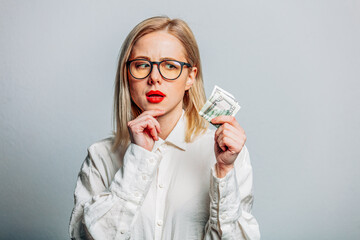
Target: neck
{"x": 167, "y": 122}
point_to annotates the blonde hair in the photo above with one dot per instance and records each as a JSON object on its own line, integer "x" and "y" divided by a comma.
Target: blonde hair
{"x": 194, "y": 98}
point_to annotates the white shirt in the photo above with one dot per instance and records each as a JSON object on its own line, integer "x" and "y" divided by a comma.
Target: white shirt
{"x": 171, "y": 192}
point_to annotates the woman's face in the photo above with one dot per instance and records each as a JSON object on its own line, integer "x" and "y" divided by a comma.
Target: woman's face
{"x": 158, "y": 46}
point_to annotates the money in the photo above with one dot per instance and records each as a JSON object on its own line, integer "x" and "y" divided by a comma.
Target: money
{"x": 220, "y": 103}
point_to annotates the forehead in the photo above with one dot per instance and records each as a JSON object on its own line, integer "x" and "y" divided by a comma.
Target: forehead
{"x": 157, "y": 45}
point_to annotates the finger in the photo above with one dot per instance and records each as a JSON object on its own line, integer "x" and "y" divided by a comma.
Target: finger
{"x": 152, "y": 129}
{"x": 226, "y": 119}
{"x": 217, "y": 132}
{"x": 237, "y": 141}
{"x": 141, "y": 119}
{"x": 155, "y": 123}
{"x": 148, "y": 125}
{"x": 229, "y": 130}
{"x": 153, "y": 113}
{"x": 221, "y": 144}
{"x": 228, "y": 143}
{"x": 236, "y": 135}
{"x": 231, "y": 135}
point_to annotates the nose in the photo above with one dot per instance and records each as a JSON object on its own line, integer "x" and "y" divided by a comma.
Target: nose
{"x": 155, "y": 76}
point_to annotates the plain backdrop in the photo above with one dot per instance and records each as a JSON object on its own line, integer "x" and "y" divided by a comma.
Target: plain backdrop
{"x": 294, "y": 67}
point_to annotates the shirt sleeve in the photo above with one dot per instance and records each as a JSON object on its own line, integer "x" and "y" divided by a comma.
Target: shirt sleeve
{"x": 102, "y": 212}
{"x": 231, "y": 201}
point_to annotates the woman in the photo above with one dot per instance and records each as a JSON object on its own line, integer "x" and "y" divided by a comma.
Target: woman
{"x": 164, "y": 175}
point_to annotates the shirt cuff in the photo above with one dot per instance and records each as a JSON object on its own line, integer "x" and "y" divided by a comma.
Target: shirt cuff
{"x": 225, "y": 199}
{"x": 133, "y": 180}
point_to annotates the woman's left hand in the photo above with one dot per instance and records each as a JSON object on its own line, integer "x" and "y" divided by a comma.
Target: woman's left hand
{"x": 229, "y": 140}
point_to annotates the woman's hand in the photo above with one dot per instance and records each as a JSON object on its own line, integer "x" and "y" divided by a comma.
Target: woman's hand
{"x": 229, "y": 140}
{"x": 145, "y": 128}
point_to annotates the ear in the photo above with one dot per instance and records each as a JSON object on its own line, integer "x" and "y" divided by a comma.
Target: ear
{"x": 191, "y": 78}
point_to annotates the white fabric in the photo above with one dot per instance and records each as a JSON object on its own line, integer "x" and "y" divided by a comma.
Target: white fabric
{"x": 169, "y": 193}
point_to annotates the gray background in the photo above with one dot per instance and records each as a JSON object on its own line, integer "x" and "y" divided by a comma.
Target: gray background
{"x": 293, "y": 66}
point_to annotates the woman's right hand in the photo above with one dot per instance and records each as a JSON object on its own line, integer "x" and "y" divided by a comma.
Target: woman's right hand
{"x": 145, "y": 128}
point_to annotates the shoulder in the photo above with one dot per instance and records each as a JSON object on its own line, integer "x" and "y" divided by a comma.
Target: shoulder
{"x": 102, "y": 152}
{"x": 102, "y": 147}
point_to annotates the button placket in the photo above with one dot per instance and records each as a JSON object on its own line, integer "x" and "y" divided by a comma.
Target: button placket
{"x": 161, "y": 192}
{"x": 123, "y": 229}
{"x": 159, "y": 223}
{"x": 151, "y": 160}
{"x": 162, "y": 147}
{"x": 137, "y": 194}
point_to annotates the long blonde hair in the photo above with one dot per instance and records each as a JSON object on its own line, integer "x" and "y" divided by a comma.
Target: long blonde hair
{"x": 194, "y": 98}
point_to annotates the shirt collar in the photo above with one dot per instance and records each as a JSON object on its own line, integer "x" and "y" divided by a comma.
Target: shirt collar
{"x": 177, "y": 135}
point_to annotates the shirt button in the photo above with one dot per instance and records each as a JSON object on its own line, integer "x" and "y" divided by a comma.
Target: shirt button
{"x": 222, "y": 184}
{"x": 222, "y": 201}
{"x": 122, "y": 231}
{"x": 223, "y": 216}
{"x": 144, "y": 177}
{"x": 159, "y": 223}
{"x": 161, "y": 185}
{"x": 151, "y": 160}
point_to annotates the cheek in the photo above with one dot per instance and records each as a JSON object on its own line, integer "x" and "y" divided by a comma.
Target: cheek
{"x": 135, "y": 91}
{"x": 179, "y": 90}
{"x": 132, "y": 89}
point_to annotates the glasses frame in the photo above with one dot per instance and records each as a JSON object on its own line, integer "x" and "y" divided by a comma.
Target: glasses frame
{"x": 158, "y": 64}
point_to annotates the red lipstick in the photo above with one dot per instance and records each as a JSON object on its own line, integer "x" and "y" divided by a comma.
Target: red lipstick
{"x": 155, "y": 96}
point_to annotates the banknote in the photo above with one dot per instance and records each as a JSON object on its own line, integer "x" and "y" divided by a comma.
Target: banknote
{"x": 220, "y": 90}
{"x": 220, "y": 103}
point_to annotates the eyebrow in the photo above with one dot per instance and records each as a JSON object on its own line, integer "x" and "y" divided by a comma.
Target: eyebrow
{"x": 161, "y": 59}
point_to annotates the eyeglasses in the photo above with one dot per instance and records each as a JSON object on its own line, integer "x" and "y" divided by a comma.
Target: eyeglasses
{"x": 168, "y": 69}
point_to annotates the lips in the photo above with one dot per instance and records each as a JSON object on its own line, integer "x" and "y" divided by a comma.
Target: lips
{"x": 155, "y": 96}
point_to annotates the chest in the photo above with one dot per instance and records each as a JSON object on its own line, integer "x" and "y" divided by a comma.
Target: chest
{"x": 180, "y": 190}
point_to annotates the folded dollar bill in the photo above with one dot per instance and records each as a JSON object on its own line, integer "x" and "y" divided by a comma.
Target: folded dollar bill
{"x": 219, "y": 103}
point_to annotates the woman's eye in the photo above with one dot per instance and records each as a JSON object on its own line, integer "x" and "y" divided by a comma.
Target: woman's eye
{"x": 171, "y": 66}
{"x": 142, "y": 65}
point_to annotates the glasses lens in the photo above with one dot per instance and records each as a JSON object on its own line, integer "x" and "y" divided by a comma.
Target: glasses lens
{"x": 170, "y": 69}
{"x": 140, "y": 68}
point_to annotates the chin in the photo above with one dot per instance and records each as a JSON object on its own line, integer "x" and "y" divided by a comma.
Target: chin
{"x": 154, "y": 107}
